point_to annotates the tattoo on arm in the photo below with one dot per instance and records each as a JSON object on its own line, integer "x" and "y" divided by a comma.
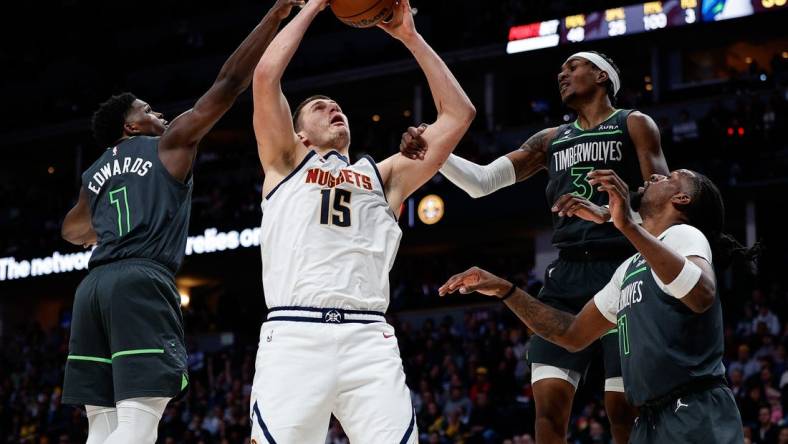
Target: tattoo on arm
{"x": 532, "y": 155}
{"x": 544, "y": 320}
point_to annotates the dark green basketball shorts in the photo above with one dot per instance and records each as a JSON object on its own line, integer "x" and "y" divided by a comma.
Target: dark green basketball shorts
{"x": 126, "y": 336}
{"x": 568, "y": 285}
{"x": 706, "y": 417}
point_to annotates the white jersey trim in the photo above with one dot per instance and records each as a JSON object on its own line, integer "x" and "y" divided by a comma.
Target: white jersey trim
{"x": 292, "y": 173}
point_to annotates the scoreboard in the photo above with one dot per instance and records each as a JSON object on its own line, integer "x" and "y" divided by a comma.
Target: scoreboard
{"x": 626, "y": 20}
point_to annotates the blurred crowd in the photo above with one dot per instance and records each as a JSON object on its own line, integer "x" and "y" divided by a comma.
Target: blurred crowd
{"x": 468, "y": 375}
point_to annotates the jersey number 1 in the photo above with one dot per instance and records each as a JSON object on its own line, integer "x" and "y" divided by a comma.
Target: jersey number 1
{"x": 339, "y": 201}
{"x": 119, "y": 198}
{"x": 623, "y": 335}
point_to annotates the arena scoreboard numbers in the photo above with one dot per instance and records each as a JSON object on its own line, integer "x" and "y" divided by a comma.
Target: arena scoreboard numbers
{"x": 626, "y": 20}
{"x": 629, "y": 20}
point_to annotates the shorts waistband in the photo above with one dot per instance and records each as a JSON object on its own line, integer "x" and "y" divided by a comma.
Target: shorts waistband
{"x": 135, "y": 261}
{"x": 681, "y": 391}
{"x": 324, "y": 315}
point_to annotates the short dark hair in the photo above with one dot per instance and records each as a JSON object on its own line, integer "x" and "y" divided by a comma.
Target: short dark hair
{"x": 706, "y": 212}
{"x": 611, "y": 91}
{"x": 297, "y": 112}
{"x": 109, "y": 118}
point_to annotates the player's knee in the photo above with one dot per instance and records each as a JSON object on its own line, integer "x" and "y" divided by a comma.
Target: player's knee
{"x": 138, "y": 420}
{"x": 133, "y": 434}
{"x": 556, "y": 419}
{"x": 102, "y": 421}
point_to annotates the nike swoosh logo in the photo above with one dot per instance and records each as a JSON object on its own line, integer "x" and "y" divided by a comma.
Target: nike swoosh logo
{"x": 387, "y": 336}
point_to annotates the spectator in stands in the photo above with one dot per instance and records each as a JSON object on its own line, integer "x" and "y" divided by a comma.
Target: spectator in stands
{"x": 766, "y": 432}
{"x": 457, "y": 401}
{"x": 749, "y": 406}
{"x": 744, "y": 363}
{"x": 481, "y": 385}
{"x": 737, "y": 384}
{"x": 766, "y": 317}
{"x": 783, "y": 436}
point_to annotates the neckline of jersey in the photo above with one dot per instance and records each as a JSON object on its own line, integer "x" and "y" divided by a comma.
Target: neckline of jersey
{"x": 122, "y": 141}
{"x": 577, "y": 125}
{"x": 336, "y": 153}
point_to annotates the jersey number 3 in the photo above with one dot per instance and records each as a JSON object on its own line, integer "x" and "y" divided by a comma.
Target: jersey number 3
{"x": 583, "y": 188}
{"x": 120, "y": 199}
{"x": 335, "y": 208}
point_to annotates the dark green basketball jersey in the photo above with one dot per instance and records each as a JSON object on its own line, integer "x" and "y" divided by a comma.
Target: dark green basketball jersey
{"x": 137, "y": 208}
{"x": 663, "y": 344}
{"x": 573, "y": 153}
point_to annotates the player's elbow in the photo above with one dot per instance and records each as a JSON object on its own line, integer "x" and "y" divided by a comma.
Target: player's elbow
{"x": 70, "y": 234}
{"x": 231, "y": 86}
{"x": 467, "y": 113}
{"x": 573, "y": 344}
{"x": 265, "y": 74}
{"x": 701, "y": 298}
{"x": 461, "y": 114}
{"x": 573, "y": 340}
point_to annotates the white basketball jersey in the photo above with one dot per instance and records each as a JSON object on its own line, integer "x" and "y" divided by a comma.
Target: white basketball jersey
{"x": 328, "y": 236}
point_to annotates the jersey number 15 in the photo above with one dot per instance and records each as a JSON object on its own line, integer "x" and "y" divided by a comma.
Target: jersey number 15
{"x": 335, "y": 207}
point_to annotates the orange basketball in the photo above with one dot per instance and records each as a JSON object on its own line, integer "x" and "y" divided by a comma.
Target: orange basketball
{"x": 362, "y": 13}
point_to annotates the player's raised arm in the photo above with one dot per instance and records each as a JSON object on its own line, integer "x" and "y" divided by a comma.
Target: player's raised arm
{"x": 646, "y": 139}
{"x": 572, "y": 332}
{"x": 178, "y": 145}
{"x": 520, "y": 164}
{"x": 277, "y": 143}
{"x": 401, "y": 175}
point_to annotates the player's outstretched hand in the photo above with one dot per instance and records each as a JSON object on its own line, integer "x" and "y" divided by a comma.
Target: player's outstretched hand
{"x": 618, "y": 192}
{"x": 401, "y": 25}
{"x": 412, "y": 145}
{"x": 476, "y": 279}
{"x": 570, "y": 205}
{"x": 282, "y": 8}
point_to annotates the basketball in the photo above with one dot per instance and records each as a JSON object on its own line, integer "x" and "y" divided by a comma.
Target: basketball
{"x": 362, "y": 13}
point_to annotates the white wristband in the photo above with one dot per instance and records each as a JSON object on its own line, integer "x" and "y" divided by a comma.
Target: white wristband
{"x": 685, "y": 281}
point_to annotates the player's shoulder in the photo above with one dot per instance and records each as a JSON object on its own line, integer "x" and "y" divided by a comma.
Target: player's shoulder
{"x": 381, "y": 169}
{"x": 682, "y": 232}
{"x": 687, "y": 240}
{"x": 366, "y": 159}
{"x": 637, "y": 118}
{"x": 146, "y": 141}
{"x": 543, "y": 139}
{"x": 621, "y": 270}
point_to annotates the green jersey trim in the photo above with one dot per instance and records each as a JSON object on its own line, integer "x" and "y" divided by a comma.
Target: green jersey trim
{"x": 577, "y": 125}
{"x": 601, "y": 133}
{"x": 639, "y": 270}
{"x": 609, "y": 332}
